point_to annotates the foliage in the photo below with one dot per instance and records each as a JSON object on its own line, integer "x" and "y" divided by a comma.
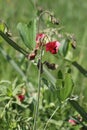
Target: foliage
{"x": 47, "y": 94}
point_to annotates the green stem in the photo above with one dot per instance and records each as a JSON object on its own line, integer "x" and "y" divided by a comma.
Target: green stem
{"x": 38, "y": 98}
{"x": 44, "y": 12}
{"x": 51, "y": 117}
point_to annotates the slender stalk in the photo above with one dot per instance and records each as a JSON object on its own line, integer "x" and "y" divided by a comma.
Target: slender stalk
{"x": 38, "y": 97}
{"x": 39, "y": 78}
{"x": 51, "y": 117}
{"x": 44, "y": 12}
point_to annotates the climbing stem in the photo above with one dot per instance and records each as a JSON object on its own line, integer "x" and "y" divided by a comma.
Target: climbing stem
{"x": 38, "y": 93}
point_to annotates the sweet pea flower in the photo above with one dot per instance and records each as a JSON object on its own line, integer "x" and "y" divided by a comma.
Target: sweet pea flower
{"x": 39, "y": 39}
{"x": 21, "y": 97}
{"x": 52, "y": 47}
{"x": 72, "y": 122}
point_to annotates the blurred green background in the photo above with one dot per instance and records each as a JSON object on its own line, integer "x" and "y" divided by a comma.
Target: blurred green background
{"x": 73, "y": 17}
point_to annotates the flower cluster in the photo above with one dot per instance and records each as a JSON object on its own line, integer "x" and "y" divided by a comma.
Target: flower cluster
{"x": 51, "y": 46}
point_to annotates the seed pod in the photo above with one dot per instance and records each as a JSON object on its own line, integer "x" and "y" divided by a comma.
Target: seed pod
{"x": 51, "y": 66}
{"x": 73, "y": 44}
{"x": 54, "y": 20}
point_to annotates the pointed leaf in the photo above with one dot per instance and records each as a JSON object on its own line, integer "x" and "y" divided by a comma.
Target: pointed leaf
{"x": 28, "y": 33}
{"x": 63, "y": 49}
{"x": 79, "y": 109}
{"x": 2, "y": 99}
{"x": 60, "y": 74}
{"x": 12, "y": 43}
{"x": 66, "y": 90}
{"x": 59, "y": 83}
{"x": 81, "y": 69}
{"x": 2, "y": 28}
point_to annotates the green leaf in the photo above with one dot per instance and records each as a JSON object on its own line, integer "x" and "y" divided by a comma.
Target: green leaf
{"x": 79, "y": 109}
{"x": 2, "y": 99}
{"x": 45, "y": 81}
{"x": 60, "y": 74}
{"x": 28, "y": 33}
{"x": 13, "y": 44}
{"x": 81, "y": 69}
{"x": 59, "y": 83}
{"x": 13, "y": 64}
{"x": 2, "y": 28}
{"x": 20, "y": 104}
{"x": 63, "y": 49}
{"x": 66, "y": 89}
{"x": 49, "y": 76}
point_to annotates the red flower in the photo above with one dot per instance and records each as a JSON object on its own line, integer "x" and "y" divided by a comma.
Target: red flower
{"x": 39, "y": 39}
{"x": 52, "y": 47}
{"x": 21, "y": 97}
{"x": 72, "y": 122}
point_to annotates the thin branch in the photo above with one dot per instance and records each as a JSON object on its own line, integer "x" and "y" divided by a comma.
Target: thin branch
{"x": 39, "y": 86}
{"x": 13, "y": 44}
{"x": 51, "y": 116}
